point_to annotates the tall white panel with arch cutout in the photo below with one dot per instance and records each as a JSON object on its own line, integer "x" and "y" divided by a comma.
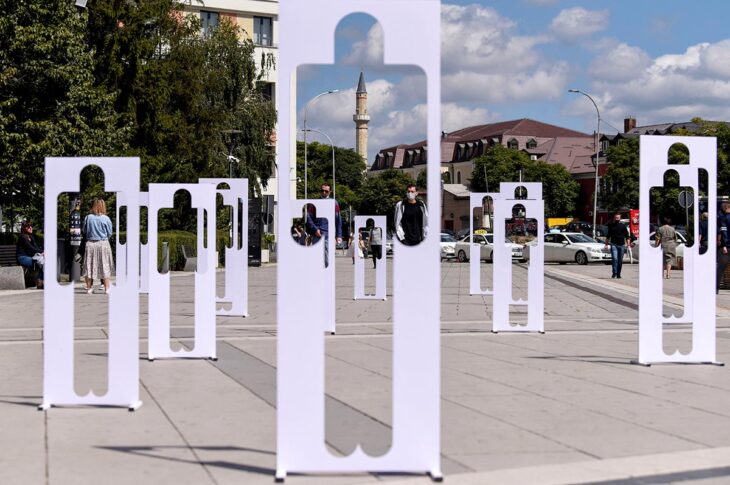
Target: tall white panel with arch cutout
{"x": 699, "y": 270}
{"x": 121, "y": 175}
{"x": 381, "y": 269}
{"x": 144, "y": 254}
{"x": 416, "y": 308}
{"x": 236, "y": 271}
{"x": 476, "y": 200}
{"x": 534, "y": 209}
{"x": 202, "y": 197}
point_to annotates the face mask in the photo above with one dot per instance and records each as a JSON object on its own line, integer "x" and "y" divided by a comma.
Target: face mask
{"x": 411, "y": 195}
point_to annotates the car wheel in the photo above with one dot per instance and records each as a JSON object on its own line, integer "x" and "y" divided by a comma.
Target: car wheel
{"x": 581, "y": 258}
{"x": 462, "y": 256}
{"x": 491, "y": 257}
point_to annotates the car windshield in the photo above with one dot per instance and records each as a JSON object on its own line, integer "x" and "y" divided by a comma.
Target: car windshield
{"x": 580, "y": 238}
{"x": 447, "y": 238}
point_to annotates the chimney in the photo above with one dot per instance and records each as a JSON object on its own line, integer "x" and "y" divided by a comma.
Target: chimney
{"x": 629, "y": 124}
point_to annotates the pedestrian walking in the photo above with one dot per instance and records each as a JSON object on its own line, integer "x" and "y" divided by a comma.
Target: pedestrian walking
{"x": 723, "y": 242}
{"x": 411, "y": 218}
{"x": 29, "y": 253}
{"x": 376, "y": 244}
{"x": 618, "y": 238}
{"x": 98, "y": 260}
{"x": 666, "y": 236}
{"x": 318, "y": 227}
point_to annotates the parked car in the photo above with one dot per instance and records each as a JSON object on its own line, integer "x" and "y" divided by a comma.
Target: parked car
{"x": 462, "y": 233}
{"x": 681, "y": 244}
{"x": 571, "y": 247}
{"x": 389, "y": 245}
{"x": 486, "y": 249}
{"x": 448, "y": 246}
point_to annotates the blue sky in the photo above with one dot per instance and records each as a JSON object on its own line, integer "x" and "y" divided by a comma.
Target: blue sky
{"x": 659, "y": 61}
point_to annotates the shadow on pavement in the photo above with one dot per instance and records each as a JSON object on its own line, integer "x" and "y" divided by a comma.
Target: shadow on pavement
{"x": 148, "y": 452}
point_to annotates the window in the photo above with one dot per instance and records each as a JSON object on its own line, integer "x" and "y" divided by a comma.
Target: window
{"x": 458, "y": 177}
{"x": 267, "y": 90}
{"x": 263, "y": 31}
{"x": 531, "y": 143}
{"x": 513, "y": 144}
{"x": 208, "y": 21}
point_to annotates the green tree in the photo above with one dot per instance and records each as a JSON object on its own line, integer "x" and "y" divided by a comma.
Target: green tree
{"x": 49, "y": 102}
{"x": 501, "y": 164}
{"x": 381, "y": 192}
{"x": 349, "y": 171}
{"x": 193, "y": 99}
{"x": 621, "y": 180}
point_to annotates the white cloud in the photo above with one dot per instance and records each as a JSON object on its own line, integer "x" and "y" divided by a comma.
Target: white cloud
{"x": 475, "y": 37}
{"x": 669, "y": 88}
{"x": 541, "y": 3}
{"x": 576, "y": 23}
{"x": 369, "y": 51}
{"x": 454, "y": 116}
{"x": 620, "y": 63}
{"x": 540, "y": 84}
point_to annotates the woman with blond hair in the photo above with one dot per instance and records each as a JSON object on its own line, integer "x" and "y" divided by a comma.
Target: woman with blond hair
{"x": 98, "y": 261}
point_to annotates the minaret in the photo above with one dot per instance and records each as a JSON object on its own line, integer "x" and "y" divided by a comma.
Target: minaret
{"x": 361, "y": 119}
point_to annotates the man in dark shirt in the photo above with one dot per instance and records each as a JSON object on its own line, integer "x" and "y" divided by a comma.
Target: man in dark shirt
{"x": 318, "y": 227}
{"x": 411, "y": 218}
{"x": 618, "y": 239}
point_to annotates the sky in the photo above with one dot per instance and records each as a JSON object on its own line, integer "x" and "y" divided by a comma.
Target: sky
{"x": 659, "y": 61}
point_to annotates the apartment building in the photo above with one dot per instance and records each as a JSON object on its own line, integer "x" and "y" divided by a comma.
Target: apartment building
{"x": 259, "y": 20}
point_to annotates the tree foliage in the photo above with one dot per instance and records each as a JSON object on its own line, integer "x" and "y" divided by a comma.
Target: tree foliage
{"x": 349, "y": 171}
{"x": 193, "y": 99}
{"x": 50, "y": 104}
{"x": 501, "y": 164}
{"x": 621, "y": 180}
{"x": 381, "y": 192}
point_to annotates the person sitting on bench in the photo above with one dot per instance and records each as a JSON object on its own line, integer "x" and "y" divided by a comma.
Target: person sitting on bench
{"x": 28, "y": 251}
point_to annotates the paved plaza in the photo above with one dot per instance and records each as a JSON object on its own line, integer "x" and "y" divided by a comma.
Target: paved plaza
{"x": 563, "y": 407}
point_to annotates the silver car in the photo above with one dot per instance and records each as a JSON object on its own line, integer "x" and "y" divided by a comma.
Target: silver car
{"x": 486, "y": 248}
{"x": 681, "y": 243}
{"x": 572, "y": 247}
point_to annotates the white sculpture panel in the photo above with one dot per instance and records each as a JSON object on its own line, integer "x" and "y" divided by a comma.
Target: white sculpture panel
{"x": 202, "y": 197}
{"x": 380, "y": 270}
{"x": 144, "y": 255}
{"x": 534, "y": 207}
{"x": 416, "y": 308}
{"x": 121, "y": 175}
{"x": 699, "y": 288}
{"x": 236, "y": 257}
{"x": 476, "y": 200}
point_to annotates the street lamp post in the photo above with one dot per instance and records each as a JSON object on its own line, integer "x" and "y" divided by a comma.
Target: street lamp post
{"x": 334, "y": 184}
{"x": 306, "y": 108}
{"x": 596, "y": 147}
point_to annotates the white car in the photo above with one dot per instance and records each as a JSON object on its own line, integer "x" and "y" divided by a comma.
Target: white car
{"x": 572, "y": 247}
{"x": 486, "y": 242}
{"x": 681, "y": 243}
{"x": 448, "y": 243}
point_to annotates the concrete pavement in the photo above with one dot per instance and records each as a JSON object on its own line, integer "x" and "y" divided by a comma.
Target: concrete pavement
{"x": 564, "y": 407}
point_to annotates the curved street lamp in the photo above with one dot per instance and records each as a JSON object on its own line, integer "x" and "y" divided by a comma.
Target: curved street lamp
{"x": 334, "y": 186}
{"x": 596, "y": 148}
{"x": 306, "y": 108}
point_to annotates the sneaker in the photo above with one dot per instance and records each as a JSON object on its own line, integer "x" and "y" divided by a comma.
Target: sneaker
{"x": 89, "y": 291}
{"x": 618, "y": 276}
{"x": 613, "y": 276}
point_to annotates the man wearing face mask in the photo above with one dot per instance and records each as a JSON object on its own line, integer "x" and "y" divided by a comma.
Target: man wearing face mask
{"x": 411, "y": 218}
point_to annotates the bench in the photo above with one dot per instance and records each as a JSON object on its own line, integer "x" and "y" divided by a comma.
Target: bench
{"x": 12, "y": 275}
{"x": 191, "y": 262}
